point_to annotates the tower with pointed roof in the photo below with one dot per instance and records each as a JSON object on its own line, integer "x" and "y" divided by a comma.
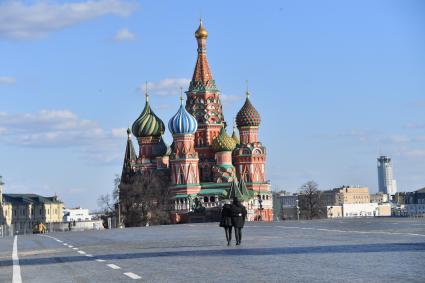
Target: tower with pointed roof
{"x": 203, "y": 102}
{"x": 130, "y": 158}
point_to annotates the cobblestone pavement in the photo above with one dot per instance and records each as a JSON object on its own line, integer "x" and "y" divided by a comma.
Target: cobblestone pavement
{"x": 346, "y": 250}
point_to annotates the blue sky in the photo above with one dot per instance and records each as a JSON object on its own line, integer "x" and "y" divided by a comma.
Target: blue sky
{"x": 336, "y": 83}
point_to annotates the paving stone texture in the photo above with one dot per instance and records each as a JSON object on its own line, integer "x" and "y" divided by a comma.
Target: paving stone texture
{"x": 346, "y": 250}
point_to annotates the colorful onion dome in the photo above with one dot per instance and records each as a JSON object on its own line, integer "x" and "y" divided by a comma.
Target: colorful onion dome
{"x": 148, "y": 124}
{"x": 248, "y": 115}
{"x": 223, "y": 142}
{"x": 183, "y": 122}
{"x": 201, "y": 32}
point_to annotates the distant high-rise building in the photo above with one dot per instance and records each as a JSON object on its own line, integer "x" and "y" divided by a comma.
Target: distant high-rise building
{"x": 386, "y": 182}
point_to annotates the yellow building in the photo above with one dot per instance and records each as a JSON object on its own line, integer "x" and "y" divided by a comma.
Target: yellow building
{"x": 346, "y": 195}
{"x": 22, "y": 211}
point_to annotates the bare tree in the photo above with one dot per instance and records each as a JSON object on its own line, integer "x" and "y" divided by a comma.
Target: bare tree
{"x": 144, "y": 201}
{"x": 310, "y": 200}
{"x": 108, "y": 202}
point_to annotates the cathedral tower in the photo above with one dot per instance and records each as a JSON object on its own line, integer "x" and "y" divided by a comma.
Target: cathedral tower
{"x": 223, "y": 171}
{"x": 184, "y": 158}
{"x": 148, "y": 129}
{"x": 250, "y": 158}
{"x": 203, "y": 102}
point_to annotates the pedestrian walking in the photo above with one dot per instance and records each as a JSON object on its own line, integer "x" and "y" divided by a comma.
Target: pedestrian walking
{"x": 238, "y": 219}
{"x": 226, "y": 220}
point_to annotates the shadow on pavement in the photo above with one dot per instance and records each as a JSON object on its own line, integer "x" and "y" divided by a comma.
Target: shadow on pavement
{"x": 235, "y": 251}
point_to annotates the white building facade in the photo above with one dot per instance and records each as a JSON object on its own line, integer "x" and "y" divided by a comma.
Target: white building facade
{"x": 386, "y": 182}
{"x": 76, "y": 214}
{"x": 348, "y": 210}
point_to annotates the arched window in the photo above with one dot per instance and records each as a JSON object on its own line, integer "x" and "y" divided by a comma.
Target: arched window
{"x": 205, "y": 199}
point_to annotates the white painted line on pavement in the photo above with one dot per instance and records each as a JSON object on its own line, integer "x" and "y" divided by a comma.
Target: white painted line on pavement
{"x": 16, "y": 268}
{"x": 132, "y": 275}
{"x": 113, "y": 266}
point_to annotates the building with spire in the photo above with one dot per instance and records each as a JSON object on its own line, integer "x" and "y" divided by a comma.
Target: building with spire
{"x": 204, "y": 164}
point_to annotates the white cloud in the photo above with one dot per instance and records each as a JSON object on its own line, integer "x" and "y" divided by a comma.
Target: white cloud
{"x": 119, "y": 132}
{"x": 124, "y": 35}
{"x": 23, "y": 20}
{"x": 62, "y": 128}
{"x": 7, "y": 80}
{"x": 166, "y": 87}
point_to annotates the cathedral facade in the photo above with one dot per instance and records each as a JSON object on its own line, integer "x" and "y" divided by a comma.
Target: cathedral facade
{"x": 204, "y": 164}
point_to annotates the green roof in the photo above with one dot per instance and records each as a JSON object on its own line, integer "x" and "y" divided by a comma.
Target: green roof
{"x": 215, "y": 185}
{"x": 29, "y": 198}
{"x": 213, "y": 192}
{"x": 181, "y": 196}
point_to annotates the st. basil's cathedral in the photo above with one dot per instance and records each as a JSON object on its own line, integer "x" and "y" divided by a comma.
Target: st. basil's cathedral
{"x": 204, "y": 165}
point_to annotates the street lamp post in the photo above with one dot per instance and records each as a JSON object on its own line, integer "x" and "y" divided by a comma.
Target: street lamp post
{"x": 298, "y": 210}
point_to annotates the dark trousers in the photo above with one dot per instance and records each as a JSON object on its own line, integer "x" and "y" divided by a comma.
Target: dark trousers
{"x": 238, "y": 235}
{"x": 228, "y": 231}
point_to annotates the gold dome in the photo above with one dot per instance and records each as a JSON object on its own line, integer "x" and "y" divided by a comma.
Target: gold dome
{"x": 201, "y": 32}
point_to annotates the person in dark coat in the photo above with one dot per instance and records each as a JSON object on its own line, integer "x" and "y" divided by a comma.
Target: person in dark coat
{"x": 238, "y": 219}
{"x": 226, "y": 220}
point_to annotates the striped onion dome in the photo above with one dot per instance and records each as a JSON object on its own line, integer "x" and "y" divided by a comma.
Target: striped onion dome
{"x": 183, "y": 122}
{"x": 148, "y": 124}
{"x": 248, "y": 115}
{"x": 223, "y": 142}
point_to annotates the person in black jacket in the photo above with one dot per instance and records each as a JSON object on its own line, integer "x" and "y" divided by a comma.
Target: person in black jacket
{"x": 226, "y": 220}
{"x": 238, "y": 219}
